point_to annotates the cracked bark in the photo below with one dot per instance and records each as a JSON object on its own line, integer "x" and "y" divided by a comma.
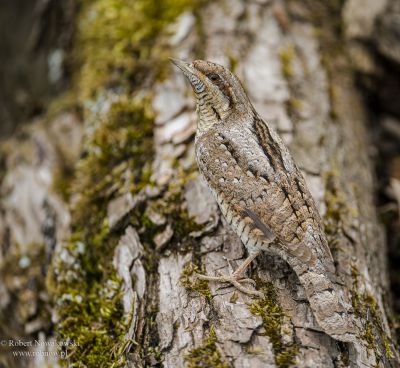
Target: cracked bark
{"x": 309, "y": 95}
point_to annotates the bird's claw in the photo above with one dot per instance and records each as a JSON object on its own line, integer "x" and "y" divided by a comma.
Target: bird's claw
{"x": 237, "y": 278}
{"x": 234, "y": 280}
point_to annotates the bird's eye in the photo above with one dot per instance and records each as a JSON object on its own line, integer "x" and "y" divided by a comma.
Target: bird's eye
{"x": 213, "y": 77}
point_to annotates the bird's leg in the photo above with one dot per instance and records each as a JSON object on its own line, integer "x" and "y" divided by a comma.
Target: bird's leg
{"x": 245, "y": 264}
{"x": 235, "y": 279}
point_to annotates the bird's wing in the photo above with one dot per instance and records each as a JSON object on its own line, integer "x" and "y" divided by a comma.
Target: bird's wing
{"x": 252, "y": 173}
{"x": 296, "y": 220}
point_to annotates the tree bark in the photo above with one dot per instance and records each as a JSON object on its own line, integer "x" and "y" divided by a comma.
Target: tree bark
{"x": 106, "y": 201}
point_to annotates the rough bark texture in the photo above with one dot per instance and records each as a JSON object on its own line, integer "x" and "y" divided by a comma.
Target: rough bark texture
{"x": 105, "y": 200}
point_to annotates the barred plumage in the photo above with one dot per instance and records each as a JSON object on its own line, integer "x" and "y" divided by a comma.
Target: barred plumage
{"x": 261, "y": 192}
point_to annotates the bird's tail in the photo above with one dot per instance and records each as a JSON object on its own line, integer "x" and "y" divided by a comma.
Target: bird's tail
{"x": 328, "y": 300}
{"x": 330, "y": 304}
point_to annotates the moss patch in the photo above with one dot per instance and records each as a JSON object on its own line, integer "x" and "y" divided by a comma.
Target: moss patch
{"x": 175, "y": 211}
{"x": 335, "y": 202}
{"x": 286, "y": 56}
{"x": 87, "y": 290}
{"x": 116, "y": 44}
{"x": 272, "y": 316}
{"x": 172, "y": 207}
{"x": 388, "y": 348}
{"x": 206, "y": 355}
{"x": 119, "y": 53}
{"x": 338, "y": 211}
{"x": 366, "y": 308}
{"x": 92, "y": 317}
{"x": 118, "y": 152}
{"x": 62, "y": 179}
{"x": 191, "y": 283}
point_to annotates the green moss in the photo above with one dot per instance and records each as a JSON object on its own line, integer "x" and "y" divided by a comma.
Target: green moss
{"x": 190, "y": 282}
{"x": 366, "y": 309}
{"x": 338, "y": 212}
{"x": 287, "y": 55}
{"x": 172, "y": 207}
{"x": 294, "y": 104}
{"x": 68, "y": 101}
{"x": 92, "y": 314}
{"x": 183, "y": 224}
{"x": 207, "y": 355}
{"x": 122, "y": 139}
{"x": 92, "y": 317}
{"x": 272, "y": 316}
{"x": 355, "y": 273}
{"x": 116, "y": 41}
{"x": 118, "y": 54}
{"x": 235, "y": 296}
{"x": 388, "y": 349}
{"x": 88, "y": 297}
{"x": 334, "y": 199}
{"x": 147, "y": 345}
{"x": 333, "y": 98}
{"x": 62, "y": 179}
{"x": 233, "y": 63}
{"x": 368, "y": 335}
{"x": 286, "y": 358}
{"x": 154, "y": 355}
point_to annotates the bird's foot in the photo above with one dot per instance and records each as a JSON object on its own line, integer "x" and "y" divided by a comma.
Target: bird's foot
{"x": 235, "y": 280}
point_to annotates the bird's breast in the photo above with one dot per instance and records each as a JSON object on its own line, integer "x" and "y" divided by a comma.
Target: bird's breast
{"x": 240, "y": 179}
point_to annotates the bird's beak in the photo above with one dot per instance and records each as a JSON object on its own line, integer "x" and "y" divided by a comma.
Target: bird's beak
{"x": 194, "y": 76}
{"x": 185, "y": 67}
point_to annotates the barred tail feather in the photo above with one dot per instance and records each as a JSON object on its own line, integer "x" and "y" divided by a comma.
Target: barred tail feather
{"x": 330, "y": 305}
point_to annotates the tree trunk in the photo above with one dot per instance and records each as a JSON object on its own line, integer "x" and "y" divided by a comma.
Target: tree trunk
{"x": 103, "y": 197}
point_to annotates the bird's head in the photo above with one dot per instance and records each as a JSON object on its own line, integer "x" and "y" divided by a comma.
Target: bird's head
{"x": 219, "y": 92}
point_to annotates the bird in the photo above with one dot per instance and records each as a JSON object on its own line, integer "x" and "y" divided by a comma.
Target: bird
{"x": 262, "y": 194}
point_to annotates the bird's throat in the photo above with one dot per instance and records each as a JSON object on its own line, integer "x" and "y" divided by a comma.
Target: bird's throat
{"x": 207, "y": 116}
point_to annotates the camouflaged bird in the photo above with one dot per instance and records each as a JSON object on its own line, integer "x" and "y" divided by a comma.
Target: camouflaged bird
{"x": 262, "y": 194}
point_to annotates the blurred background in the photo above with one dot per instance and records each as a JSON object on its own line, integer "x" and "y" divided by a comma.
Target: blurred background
{"x": 34, "y": 38}
{"x": 64, "y": 63}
